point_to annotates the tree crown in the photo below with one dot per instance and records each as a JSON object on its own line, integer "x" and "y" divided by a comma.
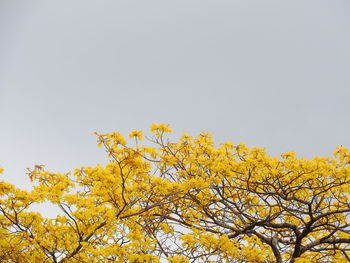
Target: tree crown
{"x": 183, "y": 201}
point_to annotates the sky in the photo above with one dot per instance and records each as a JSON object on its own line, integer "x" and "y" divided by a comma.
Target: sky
{"x": 272, "y": 74}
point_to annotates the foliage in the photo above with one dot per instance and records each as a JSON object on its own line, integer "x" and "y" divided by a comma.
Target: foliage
{"x": 184, "y": 201}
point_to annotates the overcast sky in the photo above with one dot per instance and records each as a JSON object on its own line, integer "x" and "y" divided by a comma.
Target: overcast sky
{"x": 273, "y": 74}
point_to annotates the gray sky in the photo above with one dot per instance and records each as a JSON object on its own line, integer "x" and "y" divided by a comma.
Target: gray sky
{"x": 273, "y": 74}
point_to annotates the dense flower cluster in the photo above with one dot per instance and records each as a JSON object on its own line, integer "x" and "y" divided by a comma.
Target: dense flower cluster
{"x": 184, "y": 201}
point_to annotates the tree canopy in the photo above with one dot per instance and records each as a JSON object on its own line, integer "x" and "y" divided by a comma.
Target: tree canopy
{"x": 184, "y": 201}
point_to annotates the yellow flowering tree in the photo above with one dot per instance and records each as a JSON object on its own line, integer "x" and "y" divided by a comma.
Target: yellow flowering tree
{"x": 183, "y": 201}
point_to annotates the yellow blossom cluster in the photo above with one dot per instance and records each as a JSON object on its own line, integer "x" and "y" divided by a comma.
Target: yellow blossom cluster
{"x": 182, "y": 201}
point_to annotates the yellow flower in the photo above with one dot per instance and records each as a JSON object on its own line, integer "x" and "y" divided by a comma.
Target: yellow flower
{"x": 117, "y": 138}
{"x": 177, "y": 259}
{"x": 136, "y": 134}
{"x": 161, "y": 128}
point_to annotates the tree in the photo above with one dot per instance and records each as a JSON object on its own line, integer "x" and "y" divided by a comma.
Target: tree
{"x": 184, "y": 201}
